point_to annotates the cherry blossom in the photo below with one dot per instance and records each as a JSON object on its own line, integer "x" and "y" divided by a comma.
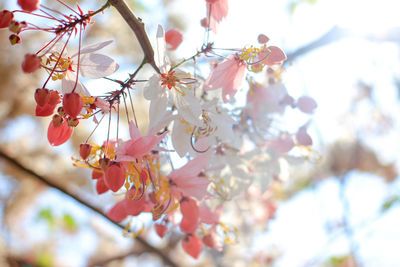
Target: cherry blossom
{"x": 228, "y": 75}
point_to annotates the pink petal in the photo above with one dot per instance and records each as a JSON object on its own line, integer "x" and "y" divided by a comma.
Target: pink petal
{"x": 193, "y": 167}
{"x": 115, "y": 176}
{"x": 192, "y": 245}
{"x": 228, "y": 75}
{"x": 306, "y": 104}
{"x": 117, "y": 213}
{"x": 303, "y": 138}
{"x": 207, "y": 216}
{"x": 277, "y": 56}
{"x": 262, "y": 39}
{"x": 284, "y": 144}
{"x": 217, "y": 9}
{"x": 101, "y": 186}
{"x": 134, "y": 131}
{"x": 160, "y": 229}
{"x": 135, "y": 206}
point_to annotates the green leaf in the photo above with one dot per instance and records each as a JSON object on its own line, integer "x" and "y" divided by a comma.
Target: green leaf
{"x": 47, "y": 216}
{"x": 69, "y": 222}
{"x": 389, "y": 203}
{"x": 45, "y": 259}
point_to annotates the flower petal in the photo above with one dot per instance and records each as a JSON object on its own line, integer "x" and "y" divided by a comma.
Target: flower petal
{"x": 96, "y": 66}
{"x": 93, "y": 48}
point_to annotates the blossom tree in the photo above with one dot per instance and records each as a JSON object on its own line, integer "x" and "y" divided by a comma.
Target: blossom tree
{"x": 206, "y": 134}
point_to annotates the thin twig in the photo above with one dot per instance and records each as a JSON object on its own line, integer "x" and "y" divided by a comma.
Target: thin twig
{"x": 137, "y": 27}
{"x": 97, "y": 210}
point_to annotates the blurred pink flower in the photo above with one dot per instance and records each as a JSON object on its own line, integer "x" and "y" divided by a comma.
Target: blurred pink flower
{"x": 216, "y": 11}
{"x": 173, "y": 38}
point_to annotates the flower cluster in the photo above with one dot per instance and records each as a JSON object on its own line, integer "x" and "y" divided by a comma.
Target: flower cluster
{"x": 226, "y": 148}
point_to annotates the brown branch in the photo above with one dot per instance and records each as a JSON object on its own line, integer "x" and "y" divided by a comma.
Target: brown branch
{"x": 116, "y": 257}
{"x": 97, "y": 210}
{"x": 333, "y": 35}
{"x": 137, "y": 27}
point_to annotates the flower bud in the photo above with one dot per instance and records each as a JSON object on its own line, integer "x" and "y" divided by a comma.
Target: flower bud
{"x": 15, "y": 26}
{"x": 31, "y": 63}
{"x": 54, "y": 98}
{"x": 115, "y": 176}
{"x": 72, "y": 122}
{"x": 173, "y": 38}
{"x": 84, "y": 150}
{"x": 42, "y": 96}
{"x": 6, "y": 18}
{"x": 262, "y": 39}
{"x": 14, "y": 39}
{"x": 29, "y": 5}
{"x": 61, "y": 111}
{"x": 44, "y": 111}
{"x": 57, "y": 120}
{"x": 72, "y": 104}
{"x": 58, "y": 135}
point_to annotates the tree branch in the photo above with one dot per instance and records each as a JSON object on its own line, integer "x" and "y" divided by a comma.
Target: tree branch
{"x": 137, "y": 27}
{"x": 333, "y": 35}
{"x": 97, "y": 210}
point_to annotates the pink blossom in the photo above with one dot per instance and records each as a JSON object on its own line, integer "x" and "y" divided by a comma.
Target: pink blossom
{"x": 228, "y": 75}
{"x": 131, "y": 205}
{"x": 209, "y": 217}
{"x": 190, "y": 213}
{"x": 59, "y": 134}
{"x": 173, "y": 38}
{"x": 31, "y": 63}
{"x": 216, "y": 11}
{"x": 306, "y": 104}
{"x": 138, "y": 146}
{"x": 303, "y": 138}
{"x": 187, "y": 180}
{"x": 283, "y": 144}
{"x": 260, "y": 99}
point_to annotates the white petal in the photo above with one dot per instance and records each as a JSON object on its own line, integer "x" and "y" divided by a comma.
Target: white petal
{"x": 153, "y": 89}
{"x": 188, "y": 107}
{"x": 68, "y": 84}
{"x": 160, "y": 58}
{"x": 180, "y": 139}
{"x": 157, "y": 110}
{"x": 93, "y": 47}
{"x": 96, "y": 66}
